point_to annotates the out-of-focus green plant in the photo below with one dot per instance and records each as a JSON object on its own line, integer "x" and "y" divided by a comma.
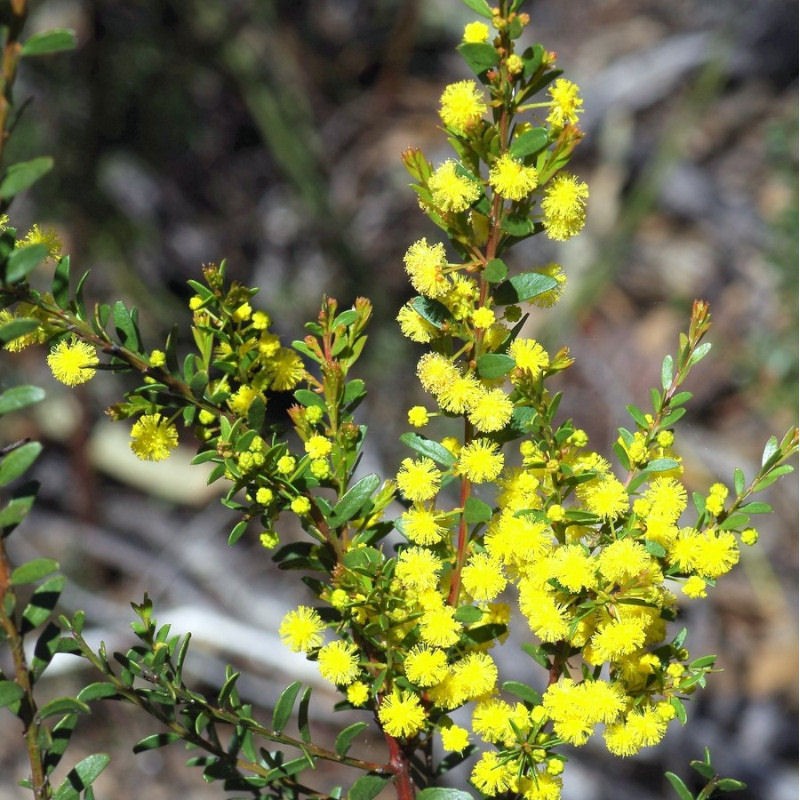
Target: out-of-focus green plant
{"x": 501, "y": 502}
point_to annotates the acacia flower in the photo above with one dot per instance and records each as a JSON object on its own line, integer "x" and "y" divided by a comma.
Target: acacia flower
{"x": 418, "y": 479}
{"x": 72, "y": 361}
{"x": 454, "y": 738}
{"x": 483, "y": 577}
{"x": 491, "y": 411}
{"x": 417, "y": 568}
{"x": 566, "y": 103}
{"x": 529, "y": 356}
{"x": 418, "y": 416}
{"x": 401, "y": 714}
{"x": 491, "y": 775}
{"x": 425, "y": 266}
{"x": 413, "y": 326}
{"x": 606, "y": 497}
{"x": 421, "y": 526}
{"x": 564, "y": 207}
{"x": 358, "y": 693}
{"x": 511, "y": 179}
{"x": 338, "y": 662}
{"x": 480, "y": 461}
{"x": 287, "y": 370}
{"x": 425, "y": 666}
{"x": 476, "y": 33}
{"x": 318, "y": 446}
{"x": 301, "y": 629}
{"x": 462, "y": 106}
{"x": 451, "y": 191}
{"x": 153, "y": 437}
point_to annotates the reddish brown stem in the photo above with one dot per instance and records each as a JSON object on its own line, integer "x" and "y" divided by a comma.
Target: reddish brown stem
{"x": 399, "y": 766}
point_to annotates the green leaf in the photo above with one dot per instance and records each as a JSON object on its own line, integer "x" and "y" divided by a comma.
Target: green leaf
{"x": 699, "y": 353}
{"x": 480, "y": 7}
{"x": 661, "y": 465}
{"x": 16, "y": 328}
{"x": 495, "y": 365}
{"x": 125, "y": 326}
{"x": 730, "y": 785}
{"x": 679, "y": 786}
{"x": 738, "y": 481}
{"x": 442, "y": 793}
{"x": 431, "y": 311}
{"x": 237, "y": 532}
{"x": 33, "y": 571}
{"x": 10, "y": 693}
{"x": 756, "y": 508}
{"x": 367, "y": 787}
{"x": 82, "y": 776}
{"x": 770, "y": 448}
{"x": 638, "y": 416}
{"x": 20, "y": 176}
{"x": 302, "y": 717}
{"x": 97, "y": 691}
{"x": 704, "y": 769}
{"x": 56, "y": 40}
{"x": 526, "y": 286}
{"x": 479, "y": 56}
{"x": 155, "y": 740}
{"x": 23, "y": 260}
{"x": 62, "y": 705}
{"x": 468, "y": 615}
{"x": 42, "y": 602}
{"x": 345, "y": 738}
{"x": 354, "y": 499}
{"x": 20, "y": 396}
{"x": 774, "y": 474}
{"x": 17, "y": 509}
{"x": 518, "y": 225}
{"x": 529, "y": 143}
{"x": 283, "y": 708}
{"x": 60, "y": 287}
{"x": 308, "y": 398}
{"x": 17, "y": 462}
{"x": 429, "y": 448}
{"x": 475, "y": 511}
{"x": 667, "y": 372}
{"x": 523, "y": 692}
{"x": 495, "y": 271}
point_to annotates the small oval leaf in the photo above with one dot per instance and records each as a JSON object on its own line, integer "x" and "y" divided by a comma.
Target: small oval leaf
{"x": 283, "y": 708}
{"x": 33, "y": 571}
{"x": 20, "y": 176}
{"x": 345, "y": 738}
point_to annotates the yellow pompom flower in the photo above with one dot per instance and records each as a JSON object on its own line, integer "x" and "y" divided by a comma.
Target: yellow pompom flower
{"x": 401, "y": 714}
{"x": 483, "y": 577}
{"x": 642, "y": 728}
{"x": 286, "y": 369}
{"x": 318, "y": 446}
{"x": 573, "y": 568}
{"x": 425, "y": 265}
{"x": 565, "y": 105}
{"x": 490, "y": 719}
{"x": 493, "y": 776}
{"x": 462, "y": 106}
{"x": 460, "y": 395}
{"x": 153, "y": 437}
{"x": 418, "y": 569}
{"x": 549, "y": 299}
{"x": 301, "y": 629}
{"x": 435, "y": 372}
{"x": 564, "y": 207}
{"x": 425, "y": 666}
{"x": 473, "y": 676}
{"x": 421, "y": 526}
{"x": 48, "y": 237}
{"x": 616, "y": 639}
{"x": 439, "y": 627}
{"x": 476, "y": 33}
{"x": 455, "y": 738}
{"x": 418, "y": 479}
{"x": 357, "y": 693}
{"x": 418, "y": 416}
{"x": 716, "y": 553}
{"x": 624, "y": 560}
{"x": 529, "y": 356}
{"x": 511, "y": 179}
{"x": 695, "y": 587}
{"x": 300, "y": 505}
{"x": 606, "y": 497}
{"x": 241, "y": 400}
{"x": 286, "y": 464}
{"x": 157, "y": 358}
{"x": 338, "y": 662}
{"x": 480, "y": 461}
{"x": 264, "y": 496}
{"x": 546, "y": 617}
{"x": 491, "y": 411}
{"x": 72, "y": 361}
{"x": 452, "y": 192}
{"x": 483, "y": 317}
{"x": 413, "y": 326}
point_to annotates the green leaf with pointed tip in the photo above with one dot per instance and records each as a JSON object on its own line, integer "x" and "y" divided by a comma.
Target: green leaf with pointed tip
{"x": 469, "y": 615}
{"x": 523, "y": 692}
{"x": 125, "y": 326}
{"x": 354, "y": 499}
{"x": 495, "y": 271}
{"x": 442, "y": 793}
{"x": 495, "y": 365}
{"x": 431, "y": 311}
{"x": 429, "y": 448}
{"x": 17, "y": 508}
{"x": 283, "y": 708}
{"x": 10, "y": 692}
{"x": 308, "y": 398}
{"x": 479, "y": 56}
{"x": 667, "y": 373}
{"x": 24, "y": 174}
{"x": 17, "y": 462}
{"x": 20, "y": 396}
{"x": 82, "y": 776}
{"x": 345, "y": 738}
{"x": 42, "y": 603}
{"x": 475, "y": 511}
{"x": 529, "y": 143}
{"x": 155, "y": 740}
{"x": 526, "y": 286}
{"x": 16, "y": 328}
{"x": 97, "y": 691}
{"x": 480, "y": 7}
{"x": 23, "y": 260}
{"x": 774, "y": 474}
{"x": 730, "y": 785}
{"x": 62, "y": 705}
{"x": 56, "y": 40}
{"x": 367, "y": 787}
{"x": 679, "y": 786}
{"x": 32, "y": 571}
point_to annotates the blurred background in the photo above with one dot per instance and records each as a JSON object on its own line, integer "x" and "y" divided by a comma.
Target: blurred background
{"x": 269, "y": 133}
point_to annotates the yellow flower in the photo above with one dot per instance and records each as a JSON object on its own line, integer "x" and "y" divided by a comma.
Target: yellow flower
{"x": 72, "y": 361}
{"x": 624, "y": 560}
{"x": 435, "y": 372}
{"x": 425, "y": 265}
{"x": 422, "y": 526}
{"x": 564, "y": 207}
{"x": 417, "y": 568}
{"x": 511, "y": 179}
{"x": 287, "y": 370}
{"x": 418, "y": 479}
{"x": 425, "y": 666}
{"x": 565, "y": 103}
{"x": 418, "y": 416}
{"x": 642, "y": 728}
{"x": 358, "y": 693}
{"x": 606, "y": 497}
{"x": 473, "y": 676}
{"x": 483, "y": 317}
{"x": 460, "y": 395}
{"x": 695, "y": 587}
{"x": 401, "y": 714}
{"x": 157, "y": 358}
{"x": 490, "y": 719}
{"x": 286, "y": 464}
{"x": 439, "y": 627}
{"x": 491, "y": 775}
{"x": 300, "y": 505}
{"x": 483, "y": 577}
{"x": 549, "y": 299}
{"x": 153, "y": 437}
{"x": 413, "y": 326}
{"x": 454, "y": 738}
{"x": 491, "y": 411}
{"x": 451, "y": 191}
{"x": 529, "y": 355}
{"x": 480, "y": 461}
{"x": 48, "y": 237}
{"x": 476, "y": 33}
{"x": 338, "y": 662}
{"x": 573, "y": 568}
{"x": 241, "y": 400}
{"x": 301, "y": 629}
{"x": 616, "y": 639}
{"x": 318, "y": 446}
{"x": 462, "y": 106}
